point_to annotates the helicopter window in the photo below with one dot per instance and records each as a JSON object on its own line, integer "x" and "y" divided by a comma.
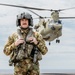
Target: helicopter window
{"x": 59, "y": 22}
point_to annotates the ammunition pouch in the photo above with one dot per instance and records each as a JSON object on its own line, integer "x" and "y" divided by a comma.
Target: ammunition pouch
{"x": 39, "y": 55}
{"x": 12, "y": 59}
{"x": 21, "y": 55}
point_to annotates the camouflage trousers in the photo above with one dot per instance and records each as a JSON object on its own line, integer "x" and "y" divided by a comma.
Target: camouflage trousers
{"x": 26, "y": 67}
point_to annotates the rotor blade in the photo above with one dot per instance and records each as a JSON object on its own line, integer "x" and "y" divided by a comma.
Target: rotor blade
{"x": 42, "y": 17}
{"x": 66, "y": 17}
{"x": 26, "y": 7}
{"x": 59, "y": 17}
{"x": 66, "y": 9}
{"x": 35, "y": 13}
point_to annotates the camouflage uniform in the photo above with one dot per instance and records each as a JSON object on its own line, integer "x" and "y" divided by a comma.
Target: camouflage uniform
{"x": 26, "y": 66}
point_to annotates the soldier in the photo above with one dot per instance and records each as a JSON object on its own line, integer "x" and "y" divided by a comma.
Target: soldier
{"x": 21, "y": 47}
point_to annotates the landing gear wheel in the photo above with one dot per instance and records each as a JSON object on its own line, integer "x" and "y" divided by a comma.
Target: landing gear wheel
{"x": 57, "y": 41}
{"x": 49, "y": 43}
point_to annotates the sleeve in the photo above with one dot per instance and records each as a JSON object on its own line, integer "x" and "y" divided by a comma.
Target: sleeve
{"x": 41, "y": 44}
{"x": 9, "y": 46}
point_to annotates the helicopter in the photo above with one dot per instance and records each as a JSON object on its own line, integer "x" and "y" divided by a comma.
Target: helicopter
{"x": 50, "y": 29}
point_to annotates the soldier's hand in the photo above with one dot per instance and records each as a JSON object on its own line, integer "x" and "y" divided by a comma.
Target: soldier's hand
{"x": 33, "y": 40}
{"x": 19, "y": 41}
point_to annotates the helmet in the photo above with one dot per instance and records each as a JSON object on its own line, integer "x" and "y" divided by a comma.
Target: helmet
{"x": 24, "y": 16}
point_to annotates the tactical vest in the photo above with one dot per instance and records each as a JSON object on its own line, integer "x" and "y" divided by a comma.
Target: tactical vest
{"x": 20, "y": 53}
{"x": 25, "y": 49}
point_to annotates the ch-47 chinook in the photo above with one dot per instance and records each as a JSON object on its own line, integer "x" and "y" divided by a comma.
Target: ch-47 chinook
{"x": 50, "y": 29}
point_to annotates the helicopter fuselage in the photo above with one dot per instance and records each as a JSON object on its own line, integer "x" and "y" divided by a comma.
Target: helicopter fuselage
{"x": 51, "y": 30}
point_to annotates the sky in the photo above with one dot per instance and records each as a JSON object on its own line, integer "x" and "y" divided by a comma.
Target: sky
{"x": 59, "y": 56}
